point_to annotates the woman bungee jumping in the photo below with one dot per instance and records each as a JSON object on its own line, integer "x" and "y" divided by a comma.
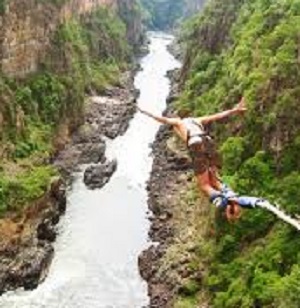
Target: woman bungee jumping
{"x": 205, "y": 158}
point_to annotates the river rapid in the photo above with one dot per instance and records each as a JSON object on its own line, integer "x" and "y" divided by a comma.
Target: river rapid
{"x": 104, "y": 231}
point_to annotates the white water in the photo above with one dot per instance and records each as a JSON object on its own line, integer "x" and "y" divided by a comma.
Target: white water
{"x": 104, "y": 231}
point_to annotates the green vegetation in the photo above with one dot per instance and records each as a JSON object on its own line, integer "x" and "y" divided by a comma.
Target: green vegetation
{"x": 163, "y": 14}
{"x": 20, "y": 189}
{"x": 168, "y": 14}
{"x": 2, "y": 6}
{"x": 55, "y": 2}
{"x": 250, "y": 48}
{"x": 86, "y": 56}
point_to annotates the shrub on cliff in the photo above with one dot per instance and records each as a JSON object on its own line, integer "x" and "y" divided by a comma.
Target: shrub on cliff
{"x": 17, "y": 191}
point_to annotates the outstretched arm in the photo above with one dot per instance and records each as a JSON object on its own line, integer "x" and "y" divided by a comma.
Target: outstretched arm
{"x": 238, "y": 109}
{"x": 160, "y": 119}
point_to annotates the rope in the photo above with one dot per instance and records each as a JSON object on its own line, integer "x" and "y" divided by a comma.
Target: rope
{"x": 280, "y": 214}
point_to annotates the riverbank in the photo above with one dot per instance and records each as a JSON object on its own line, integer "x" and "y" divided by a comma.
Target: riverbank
{"x": 105, "y": 116}
{"x": 27, "y": 238}
{"x": 180, "y": 220}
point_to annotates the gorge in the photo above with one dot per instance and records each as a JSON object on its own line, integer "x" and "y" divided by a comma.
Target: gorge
{"x": 67, "y": 88}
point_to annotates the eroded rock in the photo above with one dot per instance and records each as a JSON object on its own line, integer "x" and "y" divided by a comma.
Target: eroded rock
{"x": 98, "y": 175}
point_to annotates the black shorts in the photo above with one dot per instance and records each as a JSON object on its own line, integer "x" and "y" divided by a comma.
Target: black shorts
{"x": 204, "y": 156}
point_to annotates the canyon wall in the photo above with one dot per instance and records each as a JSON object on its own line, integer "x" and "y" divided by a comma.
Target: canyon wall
{"x": 53, "y": 55}
{"x": 240, "y": 48}
{"x": 27, "y": 26}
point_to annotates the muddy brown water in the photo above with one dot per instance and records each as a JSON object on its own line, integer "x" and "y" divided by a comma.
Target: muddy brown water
{"x": 104, "y": 231}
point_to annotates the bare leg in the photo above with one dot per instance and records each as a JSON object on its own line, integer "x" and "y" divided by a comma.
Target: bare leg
{"x": 214, "y": 178}
{"x": 205, "y": 184}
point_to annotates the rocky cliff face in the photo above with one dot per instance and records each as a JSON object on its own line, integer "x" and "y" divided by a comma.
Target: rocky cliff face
{"x": 130, "y": 12}
{"x": 27, "y": 27}
{"x": 72, "y": 7}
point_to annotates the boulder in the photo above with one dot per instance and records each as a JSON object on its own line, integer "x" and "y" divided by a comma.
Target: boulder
{"x": 97, "y": 176}
{"x": 91, "y": 153}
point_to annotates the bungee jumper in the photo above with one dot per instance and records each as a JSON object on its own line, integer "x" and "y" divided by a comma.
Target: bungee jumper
{"x": 206, "y": 162}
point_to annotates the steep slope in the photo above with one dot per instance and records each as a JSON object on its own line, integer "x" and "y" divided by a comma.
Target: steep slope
{"x": 251, "y": 48}
{"x": 51, "y": 55}
{"x": 248, "y": 48}
{"x": 64, "y": 61}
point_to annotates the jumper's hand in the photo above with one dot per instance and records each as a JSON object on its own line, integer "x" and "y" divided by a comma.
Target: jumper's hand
{"x": 241, "y": 106}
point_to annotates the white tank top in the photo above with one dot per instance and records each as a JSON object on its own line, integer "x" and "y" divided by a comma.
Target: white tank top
{"x": 195, "y": 132}
{"x": 193, "y": 128}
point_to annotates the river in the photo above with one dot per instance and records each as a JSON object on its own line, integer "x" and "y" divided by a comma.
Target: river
{"x": 104, "y": 231}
